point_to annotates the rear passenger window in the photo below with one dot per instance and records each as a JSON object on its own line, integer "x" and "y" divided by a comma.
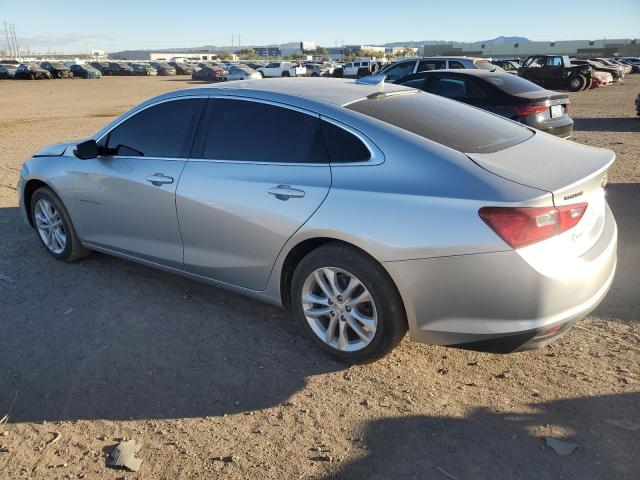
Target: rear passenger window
{"x": 163, "y": 130}
{"x": 426, "y": 65}
{"x": 455, "y": 64}
{"x": 251, "y": 131}
{"x": 343, "y": 146}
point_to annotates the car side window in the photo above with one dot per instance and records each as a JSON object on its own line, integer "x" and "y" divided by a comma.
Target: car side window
{"x": 418, "y": 83}
{"x": 344, "y": 146}
{"x": 165, "y": 130}
{"x": 455, "y": 64}
{"x": 447, "y": 87}
{"x": 426, "y": 65}
{"x": 554, "y": 62}
{"x": 245, "y": 130}
{"x": 401, "y": 70}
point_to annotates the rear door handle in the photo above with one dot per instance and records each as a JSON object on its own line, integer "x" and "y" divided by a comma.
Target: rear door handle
{"x": 284, "y": 192}
{"x": 158, "y": 179}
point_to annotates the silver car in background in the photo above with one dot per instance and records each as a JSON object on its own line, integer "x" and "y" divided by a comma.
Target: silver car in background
{"x": 242, "y": 72}
{"x": 367, "y": 210}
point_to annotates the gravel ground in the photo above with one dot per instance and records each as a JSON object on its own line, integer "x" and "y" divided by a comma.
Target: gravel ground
{"x": 215, "y": 385}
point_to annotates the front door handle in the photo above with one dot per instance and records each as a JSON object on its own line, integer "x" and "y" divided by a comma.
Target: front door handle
{"x": 285, "y": 192}
{"x": 158, "y": 179}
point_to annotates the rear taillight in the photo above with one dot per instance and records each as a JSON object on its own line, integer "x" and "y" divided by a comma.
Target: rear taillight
{"x": 566, "y": 105}
{"x": 523, "y": 226}
{"x": 524, "y": 110}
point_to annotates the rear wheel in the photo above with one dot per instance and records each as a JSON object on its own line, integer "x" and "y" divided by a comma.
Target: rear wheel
{"x": 286, "y": 74}
{"x": 347, "y": 303}
{"x": 54, "y": 227}
{"x": 577, "y": 83}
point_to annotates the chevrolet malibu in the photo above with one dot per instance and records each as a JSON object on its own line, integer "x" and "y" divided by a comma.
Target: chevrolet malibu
{"x": 366, "y": 209}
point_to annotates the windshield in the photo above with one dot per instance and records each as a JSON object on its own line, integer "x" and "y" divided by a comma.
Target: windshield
{"x": 439, "y": 119}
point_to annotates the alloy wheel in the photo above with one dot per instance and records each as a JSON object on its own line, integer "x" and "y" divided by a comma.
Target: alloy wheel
{"x": 50, "y": 226}
{"x": 339, "y": 309}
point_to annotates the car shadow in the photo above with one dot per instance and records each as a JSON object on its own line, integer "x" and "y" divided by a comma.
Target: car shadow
{"x": 104, "y": 338}
{"x": 624, "y": 124}
{"x": 623, "y": 301}
{"x": 489, "y": 444}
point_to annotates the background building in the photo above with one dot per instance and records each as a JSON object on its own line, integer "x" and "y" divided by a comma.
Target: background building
{"x": 573, "y": 48}
{"x": 267, "y": 52}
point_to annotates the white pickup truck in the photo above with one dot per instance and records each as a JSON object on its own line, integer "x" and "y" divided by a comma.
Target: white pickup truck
{"x": 283, "y": 69}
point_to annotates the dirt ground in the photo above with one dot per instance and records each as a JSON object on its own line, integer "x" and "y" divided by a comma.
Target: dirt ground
{"x": 215, "y": 385}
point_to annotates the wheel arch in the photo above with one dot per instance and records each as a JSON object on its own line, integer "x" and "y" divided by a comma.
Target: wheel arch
{"x": 28, "y": 190}
{"x": 305, "y": 246}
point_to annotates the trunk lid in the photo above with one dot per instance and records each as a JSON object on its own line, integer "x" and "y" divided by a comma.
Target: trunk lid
{"x": 571, "y": 172}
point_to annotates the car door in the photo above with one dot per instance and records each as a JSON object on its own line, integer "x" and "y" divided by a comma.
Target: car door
{"x": 259, "y": 170}
{"x": 125, "y": 197}
{"x": 551, "y": 72}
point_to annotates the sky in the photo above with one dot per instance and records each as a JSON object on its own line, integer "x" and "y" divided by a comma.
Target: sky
{"x": 75, "y": 26}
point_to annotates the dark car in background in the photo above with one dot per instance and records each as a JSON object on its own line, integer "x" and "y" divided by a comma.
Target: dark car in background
{"x": 5, "y": 72}
{"x": 142, "y": 69}
{"x": 118, "y": 68}
{"x": 57, "y": 69}
{"x": 500, "y": 93}
{"x": 85, "y": 71}
{"x": 103, "y": 67}
{"x": 163, "y": 68}
{"x": 181, "y": 68}
{"x": 210, "y": 73}
{"x": 556, "y": 71}
{"x": 31, "y": 71}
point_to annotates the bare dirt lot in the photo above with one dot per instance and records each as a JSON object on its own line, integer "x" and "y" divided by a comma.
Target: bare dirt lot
{"x": 215, "y": 385}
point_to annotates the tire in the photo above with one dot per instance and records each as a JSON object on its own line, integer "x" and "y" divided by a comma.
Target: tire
{"x": 314, "y": 74}
{"x": 73, "y": 248}
{"x": 577, "y": 83}
{"x": 286, "y": 74}
{"x": 386, "y": 310}
{"x": 262, "y": 74}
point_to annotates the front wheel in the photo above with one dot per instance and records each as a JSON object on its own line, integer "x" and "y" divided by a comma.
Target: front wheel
{"x": 55, "y": 230}
{"x": 577, "y": 83}
{"x": 347, "y": 303}
{"x": 286, "y": 74}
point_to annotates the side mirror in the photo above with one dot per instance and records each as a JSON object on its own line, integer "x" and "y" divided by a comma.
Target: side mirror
{"x": 86, "y": 150}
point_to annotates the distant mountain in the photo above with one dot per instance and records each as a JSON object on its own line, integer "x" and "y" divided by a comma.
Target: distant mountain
{"x": 419, "y": 43}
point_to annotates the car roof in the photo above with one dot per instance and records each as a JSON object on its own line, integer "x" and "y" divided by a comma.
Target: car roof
{"x": 336, "y": 91}
{"x": 476, "y": 72}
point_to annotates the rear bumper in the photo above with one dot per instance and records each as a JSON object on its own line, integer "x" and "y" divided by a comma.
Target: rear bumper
{"x": 561, "y": 127}
{"x": 499, "y": 302}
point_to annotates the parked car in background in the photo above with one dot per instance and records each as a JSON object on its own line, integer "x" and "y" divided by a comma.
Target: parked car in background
{"x": 635, "y": 67}
{"x": 163, "y": 68}
{"x": 57, "y": 69}
{"x": 627, "y": 68}
{"x": 601, "y": 79}
{"x": 249, "y": 192}
{"x": 210, "y": 73}
{"x": 615, "y": 73}
{"x": 509, "y": 66}
{"x": 318, "y": 69}
{"x": 407, "y": 67}
{"x": 31, "y": 71}
{"x": 118, "y": 68}
{"x": 242, "y": 72}
{"x": 143, "y": 69}
{"x": 7, "y": 70}
{"x": 85, "y": 71}
{"x": 282, "y": 69}
{"x": 102, "y": 66}
{"x": 181, "y": 68}
{"x": 638, "y": 104}
{"x": 556, "y": 71}
{"x": 500, "y": 93}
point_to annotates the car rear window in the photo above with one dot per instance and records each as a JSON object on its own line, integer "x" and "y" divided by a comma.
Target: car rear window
{"x": 512, "y": 84}
{"x": 455, "y": 125}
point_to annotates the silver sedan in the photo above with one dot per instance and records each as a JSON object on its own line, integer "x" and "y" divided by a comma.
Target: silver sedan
{"x": 367, "y": 210}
